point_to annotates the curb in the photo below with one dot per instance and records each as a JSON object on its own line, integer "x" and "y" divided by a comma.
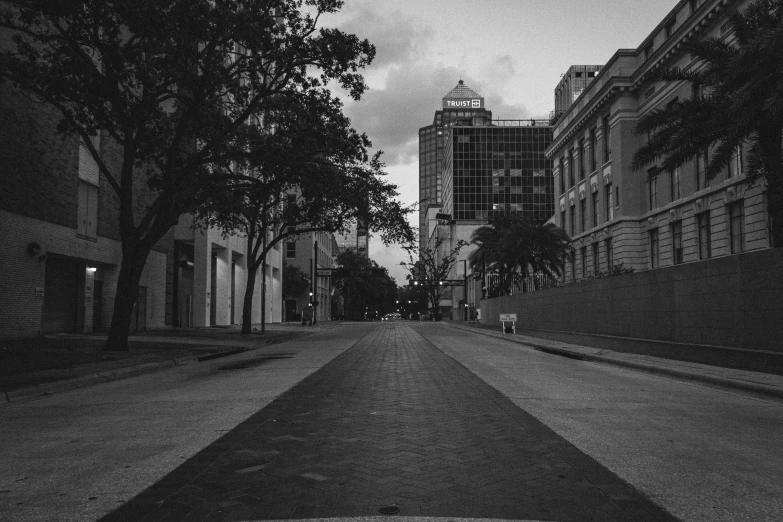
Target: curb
{"x": 633, "y": 362}
{"x": 40, "y": 391}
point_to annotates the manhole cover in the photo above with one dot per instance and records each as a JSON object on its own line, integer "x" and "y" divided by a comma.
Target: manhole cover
{"x": 389, "y": 510}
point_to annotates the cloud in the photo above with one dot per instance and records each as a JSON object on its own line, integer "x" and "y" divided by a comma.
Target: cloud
{"x": 392, "y": 116}
{"x": 397, "y": 37}
{"x": 408, "y": 79}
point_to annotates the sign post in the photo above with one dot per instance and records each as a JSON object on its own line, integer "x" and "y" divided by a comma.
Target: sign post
{"x": 508, "y": 318}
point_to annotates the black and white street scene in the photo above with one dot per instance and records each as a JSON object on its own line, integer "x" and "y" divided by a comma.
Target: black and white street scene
{"x": 357, "y": 261}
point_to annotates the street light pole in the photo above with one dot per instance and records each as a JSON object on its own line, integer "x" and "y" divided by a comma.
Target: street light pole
{"x": 465, "y": 285}
{"x": 315, "y": 281}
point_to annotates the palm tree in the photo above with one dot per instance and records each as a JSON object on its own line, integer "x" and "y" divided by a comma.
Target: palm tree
{"x": 493, "y": 253}
{"x": 513, "y": 246}
{"x": 549, "y": 245}
{"x": 743, "y": 104}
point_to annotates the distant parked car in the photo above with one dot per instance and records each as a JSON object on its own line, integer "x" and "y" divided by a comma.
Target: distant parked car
{"x": 391, "y": 317}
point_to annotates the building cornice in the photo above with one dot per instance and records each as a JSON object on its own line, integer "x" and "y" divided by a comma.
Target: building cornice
{"x": 608, "y": 86}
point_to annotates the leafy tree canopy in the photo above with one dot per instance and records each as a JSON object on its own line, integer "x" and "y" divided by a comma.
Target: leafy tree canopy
{"x": 512, "y": 247}
{"x": 363, "y": 289}
{"x": 182, "y": 86}
{"x": 433, "y": 265}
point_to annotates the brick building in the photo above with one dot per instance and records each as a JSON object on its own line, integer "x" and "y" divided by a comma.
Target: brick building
{"x": 647, "y": 219}
{"x": 60, "y": 248}
{"x": 309, "y": 252}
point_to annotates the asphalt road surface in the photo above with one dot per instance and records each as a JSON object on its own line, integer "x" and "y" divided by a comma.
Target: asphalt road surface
{"x": 423, "y": 419}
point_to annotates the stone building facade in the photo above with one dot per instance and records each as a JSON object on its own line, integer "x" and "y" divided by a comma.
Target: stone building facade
{"x": 647, "y": 218}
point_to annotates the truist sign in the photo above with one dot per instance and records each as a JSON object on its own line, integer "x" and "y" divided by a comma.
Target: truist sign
{"x": 463, "y": 103}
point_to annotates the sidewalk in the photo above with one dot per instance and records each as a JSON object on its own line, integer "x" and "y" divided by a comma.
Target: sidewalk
{"x": 717, "y": 366}
{"x": 41, "y": 366}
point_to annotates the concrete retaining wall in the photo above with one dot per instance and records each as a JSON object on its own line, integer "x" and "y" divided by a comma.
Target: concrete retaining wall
{"x": 727, "y": 301}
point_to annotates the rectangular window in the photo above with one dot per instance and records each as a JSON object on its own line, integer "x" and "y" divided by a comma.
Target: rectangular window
{"x": 654, "y": 248}
{"x": 573, "y": 265}
{"x": 607, "y": 140}
{"x": 562, "y": 175}
{"x": 648, "y": 50}
{"x": 596, "y": 262}
{"x": 652, "y": 188}
{"x": 572, "y": 221}
{"x": 705, "y": 235}
{"x": 701, "y": 171}
{"x": 593, "y": 155}
{"x": 563, "y": 220}
{"x": 89, "y": 181}
{"x": 609, "y": 203}
{"x": 87, "y": 218}
{"x": 594, "y": 202}
{"x": 677, "y": 242}
{"x": 290, "y": 250}
{"x": 670, "y": 27}
{"x": 582, "y": 160}
{"x": 735, "y": 164}
{"x": 675, "y": 184}
{"x": 571, "y": 168}
{"x": 583, "y": 214}
{"x": 583, "y": 254}
{"x": 88, "y": 167}
{"x": 737, "y": 227}
{"x": 609, "y": 256}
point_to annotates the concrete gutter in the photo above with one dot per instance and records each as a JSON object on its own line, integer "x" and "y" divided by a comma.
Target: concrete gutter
{"x": 756, "y": 383}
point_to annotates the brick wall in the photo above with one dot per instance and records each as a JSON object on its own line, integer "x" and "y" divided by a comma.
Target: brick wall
{"x": 20, "y": 313}
{"x": 38, "y": 165}
{"x": 728, "y": 301}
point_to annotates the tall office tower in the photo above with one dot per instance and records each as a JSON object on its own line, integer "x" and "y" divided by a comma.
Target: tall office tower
{"x": 496, "y": 169}
{"x": 461, "y": 106}
{"x": 571, "y": 85}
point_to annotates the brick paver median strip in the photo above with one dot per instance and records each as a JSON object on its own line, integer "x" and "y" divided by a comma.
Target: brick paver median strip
{"x": 391, "y": 422}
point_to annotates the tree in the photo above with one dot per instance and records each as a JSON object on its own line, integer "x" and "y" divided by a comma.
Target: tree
{"x": 742, "y": 104}
{"x": 432, "y": 268}
{"x": 311, "y": 172}
{"x": 411, "y": 299}
{"x": 179, "y": 85}
{"x": 365, "y": 287}
{"x": 514, "y": 247}
{"x": 494, "y": 255}
{"x": 548, "y": 246}
{"x": 295, "y": 282}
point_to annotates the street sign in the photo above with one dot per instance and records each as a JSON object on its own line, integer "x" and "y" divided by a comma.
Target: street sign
{"x": 508, "y": 318}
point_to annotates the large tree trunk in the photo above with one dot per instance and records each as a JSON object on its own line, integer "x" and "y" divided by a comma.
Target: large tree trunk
{"x": 132, "y": 266}
{"x": 263, "y": 294}
{"x": 247, "y": 308}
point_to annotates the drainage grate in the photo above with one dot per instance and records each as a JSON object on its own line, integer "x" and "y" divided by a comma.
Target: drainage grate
{"x": 389, "y": 510}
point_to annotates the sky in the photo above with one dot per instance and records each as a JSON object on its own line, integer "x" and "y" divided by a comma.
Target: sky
{"x": 511, "y": 52}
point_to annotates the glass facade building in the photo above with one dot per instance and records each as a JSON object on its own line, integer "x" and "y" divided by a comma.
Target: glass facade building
{"x": 461, "y": 106}
{"x": 498, "y": 168}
